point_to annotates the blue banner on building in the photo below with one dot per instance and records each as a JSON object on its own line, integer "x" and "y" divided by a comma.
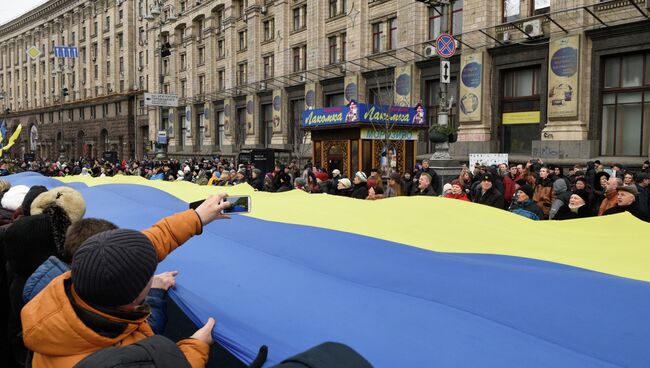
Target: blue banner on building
{"x": 360, "y": 113}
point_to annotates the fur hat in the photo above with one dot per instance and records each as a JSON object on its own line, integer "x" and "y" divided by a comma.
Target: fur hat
{"x": 68, "y": 199}
{"x": 362, "y": 176}
{"x": 14, "y": 197}
{"x": 628, "y": 188}
{"x": 336, "y": 172}
{"x": 446, "y": 187}
{"x": 345, "y": 182}
{"x": 31, "y": 195}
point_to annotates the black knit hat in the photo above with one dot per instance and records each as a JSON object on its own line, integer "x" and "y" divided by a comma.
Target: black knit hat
{"x": 528, "y": 190}
{"x": 30, "y": 197}
{"x": 113, "y": 267}
{"x": 582, "y": 194}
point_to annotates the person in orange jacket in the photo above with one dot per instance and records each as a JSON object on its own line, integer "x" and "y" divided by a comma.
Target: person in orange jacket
{"x": 100, "y": 302}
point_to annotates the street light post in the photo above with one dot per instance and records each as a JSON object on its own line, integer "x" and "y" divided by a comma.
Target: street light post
{"x": 155, "y": 13}
{"x": 63, "y": 92}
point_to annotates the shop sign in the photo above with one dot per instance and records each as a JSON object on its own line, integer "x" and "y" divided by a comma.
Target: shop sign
{"x": 356, "y": 113}
{"x": 393, "y": 135}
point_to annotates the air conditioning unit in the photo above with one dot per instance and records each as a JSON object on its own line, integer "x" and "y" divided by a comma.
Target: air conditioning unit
{"x": 533, "y": 28}
{"x": 430, "y": 51}
{"x": 264, "y": 9}
{"x": 505, "y": 37}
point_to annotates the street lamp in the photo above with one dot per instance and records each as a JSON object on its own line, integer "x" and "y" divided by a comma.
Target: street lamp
{"x": 60, "y": 70}
{"x": 163, "y": 51}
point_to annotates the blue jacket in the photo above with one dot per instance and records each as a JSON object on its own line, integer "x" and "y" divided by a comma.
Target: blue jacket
{"x": 159, "y": 176}
{"x": 54, "y": 267}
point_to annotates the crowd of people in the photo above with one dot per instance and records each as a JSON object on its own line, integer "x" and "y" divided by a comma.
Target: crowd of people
{"x": 73, "y": 286}
{"x": 531, "y": 189}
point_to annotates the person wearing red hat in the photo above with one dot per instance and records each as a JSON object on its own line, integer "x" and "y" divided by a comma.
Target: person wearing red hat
{"x": 457, "y": 191}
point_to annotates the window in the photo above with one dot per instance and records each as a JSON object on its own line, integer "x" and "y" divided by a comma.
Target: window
{"x": 377, "y": 36}
{"x": 239, "y": 4}
{"x": 625, "y": 110}
{"x": 141, "y": 59}
{"x": 392, "y": 33}
{"x": 268, "y": 66}
{"x": 344, "y": 45}
{"x": 381, "y": 95}
{"x": 221, "y": 51}
{"x": 120, "y": 40}
{"x": 107, "y": 24}
{"x": 95, "y": 28}
{"x": 201, "y": 52}
{"x": 333, "y": 50}
{"x": 457, "y": 18}
{"x": 141, "y": 34}
{"x": 221, "y": 79}
{"x": 181, "y": 6}
{"x": 108, "y": 68}
{"x": 299, "y": 17}
{"x": 201, "y": 84}
{"x": 511, "y": 10}
{"x": 336, "y": 7}
{"x": 121, "y": 64}
{"x": 242, "y": 40}
{"x": 165, "y": 66}
{"x": 73, "y": 39}
{"x": 333, "y": 100}
{"x": 183, "y": 87}
{"x": 521, "y": 93}
{"x": 242, "y": 73}
{"x": 220, "y": 127}
{"x": 120, "y": 16}
{"x": 183, "y": 61}
{"x": 267, "y": 125}
{"x": 269, "y": 29}
{"x": 299, "y": 58}
{"x": 540, "y": 6}
{"x": 107, "y": 46}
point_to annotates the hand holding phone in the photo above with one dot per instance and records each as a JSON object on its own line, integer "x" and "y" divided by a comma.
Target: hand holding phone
{"x": 238, "y": 204}
{"x": 211, "y": 208}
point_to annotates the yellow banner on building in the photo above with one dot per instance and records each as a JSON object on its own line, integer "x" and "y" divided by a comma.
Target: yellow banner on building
{"x": 250, "y": 114}
{"x": 277, "y": 111}
{"x": 403, "y": 85}
{"x": 526, "y": 117}
{"x": 563, "y": 71}
{"x": 471, "y": 87}
{"x": 351, "y": 91}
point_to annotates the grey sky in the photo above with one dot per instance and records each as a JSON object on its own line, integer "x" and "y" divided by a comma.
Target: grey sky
{"x": 14, "y": 8}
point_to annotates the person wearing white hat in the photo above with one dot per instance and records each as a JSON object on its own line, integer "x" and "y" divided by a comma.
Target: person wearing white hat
{"x": 360, "y": 190}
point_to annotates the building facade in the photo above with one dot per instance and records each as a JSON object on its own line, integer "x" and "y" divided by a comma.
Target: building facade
{"x": 563, "y": 80}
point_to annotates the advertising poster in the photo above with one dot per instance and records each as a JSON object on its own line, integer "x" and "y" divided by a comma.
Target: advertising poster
{"x": 359, "y": 113}
{"x": 250, "y": 109}
{"x": 187, "y": 123}
{"x": 487, "y": 159}
{"x": 471, "y": 83}
{"x": 403, "y": 85}
{"x": 226, "y": 117}
{"x": 563, "y": 72}
{"x": 277, "y": 111}
{"x": 310, "y": 96}
{"x": 206, "y": 119}
{"x": 351, "y": 91}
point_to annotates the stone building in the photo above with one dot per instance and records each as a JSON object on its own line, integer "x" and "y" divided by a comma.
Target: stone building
{"x": 564, "y": 80}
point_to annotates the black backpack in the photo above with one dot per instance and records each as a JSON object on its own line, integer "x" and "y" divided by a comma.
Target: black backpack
{"x": 326, "y": 355}
{"x": 153, "y": 352}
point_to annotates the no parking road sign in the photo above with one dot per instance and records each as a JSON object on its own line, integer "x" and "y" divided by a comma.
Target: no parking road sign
{"x": 446, "y": 46}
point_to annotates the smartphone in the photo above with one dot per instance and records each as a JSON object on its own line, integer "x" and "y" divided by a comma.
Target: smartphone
{"x": 238, "y": 204}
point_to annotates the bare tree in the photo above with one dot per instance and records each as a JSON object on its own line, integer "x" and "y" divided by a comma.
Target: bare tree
{"x": 298, "y": 139}
{"x": 385, "y": 124}
{"x": 239, "y": 134}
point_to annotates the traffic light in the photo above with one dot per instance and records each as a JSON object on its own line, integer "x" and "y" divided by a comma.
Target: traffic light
{"x": 65, "y": 91}
{"x": 165, "y": 49}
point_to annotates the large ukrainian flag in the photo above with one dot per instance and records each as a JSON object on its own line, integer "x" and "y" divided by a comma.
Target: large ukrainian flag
{"x": 407, "y": 282}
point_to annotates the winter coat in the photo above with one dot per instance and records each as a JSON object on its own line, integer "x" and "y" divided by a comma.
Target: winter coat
{"x": 462, "y": 196}
{"x": 61, "y": 329}
{"x": 565, "y": 213}
{"x": 558, "y": 202}
{"x": 543, "y": 195}
{"x": 435, "y": 180}
{"x": 54, "y": 267}
{"x": 492, "y": 198}
{"x": 632, "y": 209}
{"x": 528, "y": 209}
{"x": 643, "y": 200}
{"x": 359, "y": 191}
{"x": 258, "y": 183}
{"x": 509, "y": 187}
{"x": 428, "y": 191}
{"x": 609, "y": 202}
